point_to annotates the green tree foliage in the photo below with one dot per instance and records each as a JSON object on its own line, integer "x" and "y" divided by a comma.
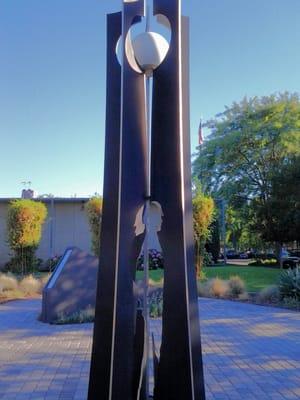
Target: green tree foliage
{"x": 25, "y": 219}
{"x": 203, "y": 214}
{"x": 94, "y": 212}
{"x": 253, "y": 145}
{"x": 234, "y": 226}
{"x": 213, "y": 244}
{"x": 278, "y": 218}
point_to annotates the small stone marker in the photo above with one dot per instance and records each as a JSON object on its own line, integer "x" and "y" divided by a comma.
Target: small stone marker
{"x": 72, "y": 286}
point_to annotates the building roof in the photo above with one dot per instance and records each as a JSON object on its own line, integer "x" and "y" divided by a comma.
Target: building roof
{"x": 49, "y": 199}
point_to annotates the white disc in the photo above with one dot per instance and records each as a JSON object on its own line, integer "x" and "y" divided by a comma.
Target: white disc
{"x": 150, "y": 49}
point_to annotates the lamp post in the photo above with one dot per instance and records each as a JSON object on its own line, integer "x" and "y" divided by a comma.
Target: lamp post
{"x": 149, "y": 49}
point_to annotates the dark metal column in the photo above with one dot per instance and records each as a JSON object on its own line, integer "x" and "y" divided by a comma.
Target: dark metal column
{"x": 103, "y": 327}
{"x": 180, "y": 374}
{"x": 111, "y": 376}
{"x": 131, "y": 191}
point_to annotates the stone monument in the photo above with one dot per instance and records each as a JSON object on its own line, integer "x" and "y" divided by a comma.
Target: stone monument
{"x": 72, "y": 286}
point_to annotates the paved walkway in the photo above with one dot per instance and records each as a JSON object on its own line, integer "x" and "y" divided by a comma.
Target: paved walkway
{"x": 250, "y": 352}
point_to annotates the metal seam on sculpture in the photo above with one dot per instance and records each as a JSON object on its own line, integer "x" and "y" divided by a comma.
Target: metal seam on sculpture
{"x": 183, "y": 187}
{"x": 146, "y": 250}
{"x": 119, "y": 215}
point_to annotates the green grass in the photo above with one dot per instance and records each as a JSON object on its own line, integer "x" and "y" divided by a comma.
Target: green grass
{"x": 156, "y": 275}
{"x": 255, "y": 278}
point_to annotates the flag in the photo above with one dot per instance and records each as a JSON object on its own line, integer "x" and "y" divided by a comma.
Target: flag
{"x": 200, "y": 136}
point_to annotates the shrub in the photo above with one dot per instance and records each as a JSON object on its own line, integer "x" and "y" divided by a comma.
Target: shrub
{"x": 267, "y": 262}
{"x": 44, "y": 280}
{"x": 51, "y": 263}
{"x": 207, "y": 260}
{"x": 243, "y": 296}
{"x": 11, "y": 288}
{"x": 94, "y": 212}
{"x": 270, "y": 294}
{"x": 156, "y": 260}
{"x": 291, "y": 303}
{"x": 202, "y": 275}
{"x": 203, "y": 290}
{"x": 289, "y": 284}
{"x": 203, "y": 215}
{"x": 218, "y": 288}
{"x": 236, "y": 286}
{"x": 8, "y": 282}
{"x": 156, "y": 304}
{"x": 157, "y": 284}
{"x": 25, "y": 219}
{"x": 213, "y": 245}
{"x": 271, "y": 262}
{"x": 30, "y": 285}
{"x": 79, "y": 317}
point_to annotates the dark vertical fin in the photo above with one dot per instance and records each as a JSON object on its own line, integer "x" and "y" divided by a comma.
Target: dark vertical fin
{"x": 155, "y": 360}
{"x": 132, "y": 187}
{"x": 124, "y": 189}
{"x": 102, "y": 342}
{"x": 171, "y": 187}
{"x": 140, "y": 347}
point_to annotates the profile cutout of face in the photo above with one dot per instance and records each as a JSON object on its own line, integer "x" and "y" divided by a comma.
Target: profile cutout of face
{"x": 155, "y": 223}
{"x": 155, "y": 219}
{"x": 138, "y": 223}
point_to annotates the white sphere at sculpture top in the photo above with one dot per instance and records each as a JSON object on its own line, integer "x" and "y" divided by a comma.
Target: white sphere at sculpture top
{"x": 150, "y": 49}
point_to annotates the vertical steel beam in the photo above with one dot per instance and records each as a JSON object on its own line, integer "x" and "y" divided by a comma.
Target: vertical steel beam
{"x": 180, "y": 374}
{"x": 111, "y": 376}
{"x": 132, "y": 189}
{"x": 102, "y": 342}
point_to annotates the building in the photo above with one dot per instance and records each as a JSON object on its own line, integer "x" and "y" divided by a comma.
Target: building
{"x": 66, "y": 225}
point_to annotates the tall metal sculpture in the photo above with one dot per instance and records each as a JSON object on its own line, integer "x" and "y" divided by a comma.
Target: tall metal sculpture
{"x": 147, "y": 159}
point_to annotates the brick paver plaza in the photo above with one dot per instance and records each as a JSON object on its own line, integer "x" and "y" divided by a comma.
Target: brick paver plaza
{"x": 250, "y": 352}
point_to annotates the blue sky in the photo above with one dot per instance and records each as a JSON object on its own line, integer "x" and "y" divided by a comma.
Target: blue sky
{"x": 52, "y": 79}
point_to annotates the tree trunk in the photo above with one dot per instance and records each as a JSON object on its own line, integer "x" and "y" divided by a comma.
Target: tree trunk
{"x": 198, "y": 258}
{"x": 278, "y": 253}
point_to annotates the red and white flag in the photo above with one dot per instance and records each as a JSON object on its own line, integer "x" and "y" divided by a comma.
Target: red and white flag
{"x": 200, "y": 135}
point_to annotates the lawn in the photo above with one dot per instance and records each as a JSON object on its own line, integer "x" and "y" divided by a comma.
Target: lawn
{"x": 255, "y": 278}
{"x": 156, "y": 275}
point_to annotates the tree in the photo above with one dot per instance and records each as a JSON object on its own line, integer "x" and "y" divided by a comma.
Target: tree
{"x": 278, "y": 218}
{"x": 248, "y": 143}
{"x": 25, "y": 219}
{"x": 213, "y": 244}
{"x": 203, "y": 213}
{"x": 251, "y": 143}
{"x": 94, "y": 212}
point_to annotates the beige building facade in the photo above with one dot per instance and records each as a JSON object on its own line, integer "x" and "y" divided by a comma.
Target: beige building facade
{"x": 66, "y": 225}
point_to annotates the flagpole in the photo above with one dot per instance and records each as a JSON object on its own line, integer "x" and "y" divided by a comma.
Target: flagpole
{"x": 200, "y": 135}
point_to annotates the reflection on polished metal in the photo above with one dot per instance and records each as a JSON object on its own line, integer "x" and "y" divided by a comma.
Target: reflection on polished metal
{"x": 147, "y": 159}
